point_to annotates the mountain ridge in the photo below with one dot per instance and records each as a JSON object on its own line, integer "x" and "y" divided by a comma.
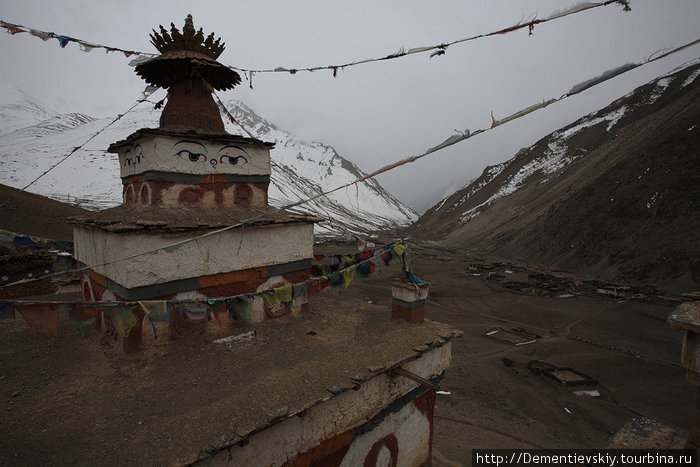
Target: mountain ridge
{"x": 539, "y": 205}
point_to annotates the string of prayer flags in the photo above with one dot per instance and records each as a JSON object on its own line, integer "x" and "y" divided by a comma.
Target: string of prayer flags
{"x": 64, "y": 40}
{"x": 333, "y": 263}
{"x": 189, "y": 317}
{"x": 434, "y": 50}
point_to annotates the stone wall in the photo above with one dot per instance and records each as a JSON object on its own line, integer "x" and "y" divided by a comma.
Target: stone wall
{"x": 233, "y": 250}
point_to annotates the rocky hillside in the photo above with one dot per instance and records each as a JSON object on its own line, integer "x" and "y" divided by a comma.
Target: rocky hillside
{"x": 616, "y": 194}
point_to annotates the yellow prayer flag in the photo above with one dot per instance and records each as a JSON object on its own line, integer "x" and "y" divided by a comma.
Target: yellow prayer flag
{"x": 284, "y": 294}
{"x": 348, "y": 275}
{"x": 399, "y": 248}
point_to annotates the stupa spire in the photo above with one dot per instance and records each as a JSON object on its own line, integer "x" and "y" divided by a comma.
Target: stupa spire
{"x": 187, "y": 67}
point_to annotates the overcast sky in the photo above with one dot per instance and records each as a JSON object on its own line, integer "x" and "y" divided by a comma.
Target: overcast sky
{"x": 376, "y": 113}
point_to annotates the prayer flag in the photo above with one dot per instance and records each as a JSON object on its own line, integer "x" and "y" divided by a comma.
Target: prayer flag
{"x": 348, "y": 276}
{"x": 44, "y": 36}
{"x": 284, "y": 294}
{"x": 64, "y": 40}
{"x": 336, "y": 279}
{"x": 12, "y": 29}
{"x": 300, "y": 293}
{"x": 195, "y": 311}
{"x": 268, "y": 297}
{"x": 7, "y": 310}
{"x": 240, "y": 308}
{"x": 83, "y": 316}
{"x": 155, "y": 310}
{"x": 122, "y": 317}
{"x": 316, "y": 286}
{"x": 399, "y": 249}
{"x": 42, "y": 318}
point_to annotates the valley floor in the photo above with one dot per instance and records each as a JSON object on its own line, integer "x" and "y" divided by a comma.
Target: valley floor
{"x": 496, "y": 402}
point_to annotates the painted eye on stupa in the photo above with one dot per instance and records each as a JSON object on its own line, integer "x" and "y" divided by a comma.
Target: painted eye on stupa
{"x": 192, "y": 156}
{"x": 233, "y": 155}
{"x": 190, "y": 150}
{"x": 233, "y": 160}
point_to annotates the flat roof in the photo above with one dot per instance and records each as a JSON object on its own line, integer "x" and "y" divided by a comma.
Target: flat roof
{"x": 217, "y": 137}
{"x": 81, "y": 400}
{"x": 128, "y": 218}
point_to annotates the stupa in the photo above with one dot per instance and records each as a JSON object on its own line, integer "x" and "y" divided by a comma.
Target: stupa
{"x": 186, "y": 178}
{"x": 342, "y": 384}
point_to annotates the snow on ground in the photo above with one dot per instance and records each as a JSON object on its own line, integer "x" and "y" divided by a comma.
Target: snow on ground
{"x": 661, "y": 86}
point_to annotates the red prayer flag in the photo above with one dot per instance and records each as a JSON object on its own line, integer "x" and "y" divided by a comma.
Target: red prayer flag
{"x": 42, "y": 318}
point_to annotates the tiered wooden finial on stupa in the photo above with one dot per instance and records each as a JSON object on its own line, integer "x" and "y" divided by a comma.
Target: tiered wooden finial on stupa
{"x": 187, "y": 67}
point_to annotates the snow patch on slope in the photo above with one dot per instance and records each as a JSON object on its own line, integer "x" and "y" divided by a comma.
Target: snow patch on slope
{"x": 661, "y": 86}
{"x": 490, "y": 173}
{"x": 555, "y": 157}
{"x": 691, "y": 78}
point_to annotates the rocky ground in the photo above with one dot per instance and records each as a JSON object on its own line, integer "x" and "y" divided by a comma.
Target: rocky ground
{"x": 496, "y": 401}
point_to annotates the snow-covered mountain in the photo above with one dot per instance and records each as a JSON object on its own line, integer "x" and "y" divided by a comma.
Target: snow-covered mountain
{"x": 615, "y": 194}
{"x": 34, "y": 137}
